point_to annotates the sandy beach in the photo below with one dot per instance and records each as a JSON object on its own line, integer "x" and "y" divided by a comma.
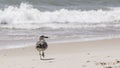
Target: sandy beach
{"x": 88, "y": 54}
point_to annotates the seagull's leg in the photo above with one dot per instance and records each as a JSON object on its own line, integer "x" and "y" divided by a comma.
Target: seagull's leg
{"x": 40, "y": 55}
{"x": 43, "y": 54}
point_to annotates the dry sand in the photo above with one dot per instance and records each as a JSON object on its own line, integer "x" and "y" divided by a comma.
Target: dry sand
{"x": 89, "y": 54}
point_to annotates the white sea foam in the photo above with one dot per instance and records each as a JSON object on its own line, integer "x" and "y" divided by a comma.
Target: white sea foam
{"x": 27, "y": 17}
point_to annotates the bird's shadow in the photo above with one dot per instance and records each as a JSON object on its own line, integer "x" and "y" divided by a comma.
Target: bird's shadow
{"x": 45, "y": 59}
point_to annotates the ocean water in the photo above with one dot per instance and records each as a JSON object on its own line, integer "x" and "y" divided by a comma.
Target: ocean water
{"x": 23, "y": 21}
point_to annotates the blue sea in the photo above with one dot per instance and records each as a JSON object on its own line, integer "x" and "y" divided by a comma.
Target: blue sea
{"x": 23, "y": 21}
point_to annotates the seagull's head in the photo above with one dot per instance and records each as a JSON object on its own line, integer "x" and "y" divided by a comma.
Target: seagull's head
{"x": 42, "y": 36}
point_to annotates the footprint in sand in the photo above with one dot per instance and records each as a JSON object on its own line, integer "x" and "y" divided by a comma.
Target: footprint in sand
{"x": 114, "y": 64}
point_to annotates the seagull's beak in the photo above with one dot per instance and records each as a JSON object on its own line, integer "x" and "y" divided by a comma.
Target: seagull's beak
{"x": 45, "y": 37}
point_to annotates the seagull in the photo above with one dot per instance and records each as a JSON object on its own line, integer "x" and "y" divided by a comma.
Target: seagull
{"x": 41, "y": 46}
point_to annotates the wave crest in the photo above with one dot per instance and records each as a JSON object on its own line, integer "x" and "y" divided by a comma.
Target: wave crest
{"x": 27, "y": 17}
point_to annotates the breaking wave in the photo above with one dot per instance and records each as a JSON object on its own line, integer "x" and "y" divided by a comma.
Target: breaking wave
{"x": 26, "y": 16}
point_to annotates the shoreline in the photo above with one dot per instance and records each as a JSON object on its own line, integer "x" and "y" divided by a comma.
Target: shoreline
{"x": 59, "y": 42}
